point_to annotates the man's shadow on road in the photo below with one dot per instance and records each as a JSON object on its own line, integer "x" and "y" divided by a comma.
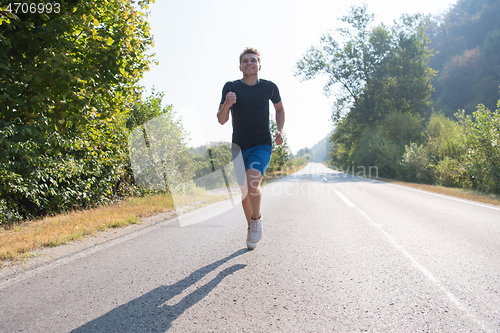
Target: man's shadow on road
{"x": 149, "y": 313}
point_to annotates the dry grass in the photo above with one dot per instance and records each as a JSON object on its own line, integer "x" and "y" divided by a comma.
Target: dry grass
{"x": 493, "y": 199}
{"x": 18, "y": 240}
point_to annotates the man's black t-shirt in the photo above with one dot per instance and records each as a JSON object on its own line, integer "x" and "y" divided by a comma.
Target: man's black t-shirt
{"x": 250, "y": 113}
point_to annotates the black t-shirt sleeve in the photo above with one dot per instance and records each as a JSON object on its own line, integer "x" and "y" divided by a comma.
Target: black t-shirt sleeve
{"x": 225, "y": 90}
{"x": 275, "y": 96}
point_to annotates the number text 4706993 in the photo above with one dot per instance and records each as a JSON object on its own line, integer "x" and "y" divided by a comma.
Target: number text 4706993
{"x": 34, "y": 8}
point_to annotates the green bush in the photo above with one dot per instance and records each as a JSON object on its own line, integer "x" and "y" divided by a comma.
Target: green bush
{"x": 464, "y": 154}
{"x": 299, "y": 161}
{"x": 482, "y": 139}
{"x": 444, "y": 148}
{"x": 46, "y": 169}
{"x": 451, "y": 173}
{"x": 383, "y": 146}
{"x": 443, "y": 138}
{"x": 208, "y": 166}
{"x": 415, "y": 166}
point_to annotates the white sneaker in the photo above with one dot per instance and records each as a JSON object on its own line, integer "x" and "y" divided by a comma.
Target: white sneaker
{"x": 250, "y": 245}
{"x": 256, "y": 230}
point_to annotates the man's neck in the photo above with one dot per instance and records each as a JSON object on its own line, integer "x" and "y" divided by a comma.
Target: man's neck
{"x": 251, "y": 80}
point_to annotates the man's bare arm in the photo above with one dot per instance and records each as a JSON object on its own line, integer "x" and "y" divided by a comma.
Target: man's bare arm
{"x": 223, "y": 113}
{"x": 280, "y": 121}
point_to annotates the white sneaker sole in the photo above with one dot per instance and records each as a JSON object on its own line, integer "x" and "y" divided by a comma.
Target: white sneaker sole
{"x": 250, "y": 245}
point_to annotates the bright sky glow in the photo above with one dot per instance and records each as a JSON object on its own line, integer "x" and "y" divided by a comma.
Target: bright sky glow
{"x": 198, "y": 42}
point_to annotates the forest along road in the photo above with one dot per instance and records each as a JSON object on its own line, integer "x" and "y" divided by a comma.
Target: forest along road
{"x": 339, "y": 253}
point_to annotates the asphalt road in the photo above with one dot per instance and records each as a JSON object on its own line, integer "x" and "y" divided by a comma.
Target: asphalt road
{"x": 339, "y": 254}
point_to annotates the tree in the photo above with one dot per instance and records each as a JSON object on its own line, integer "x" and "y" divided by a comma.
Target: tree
{"x": 67, "y": 81}
{"x": 379, "y": 70}
{"x": 81, "y": 62}
{"x": 482, "y": 137}
{"x": 159, "y": 155}
{"x": 466, "y": 40}
{"x": 350, "y": 65}
{"x": 281, "y": 153}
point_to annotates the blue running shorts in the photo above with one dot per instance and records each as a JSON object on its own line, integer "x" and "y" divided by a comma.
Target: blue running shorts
{"x": 257, "y": 158}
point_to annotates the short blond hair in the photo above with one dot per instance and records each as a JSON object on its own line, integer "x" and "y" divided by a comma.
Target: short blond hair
{"x": 250, "y": 50}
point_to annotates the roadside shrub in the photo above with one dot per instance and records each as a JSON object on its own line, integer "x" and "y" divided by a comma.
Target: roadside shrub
{"x": 299, "y": 161}
{"x": 383, "y": 146}
{"x": 208, "y": 166}
{"x": 451, "y": 173}
{"x": 47, "y": 169}
{"x": 482, "y": 139}
{"x": 8, "y": 215}
{"x": 415, "y": 166}
{"x": 444, "y": 138}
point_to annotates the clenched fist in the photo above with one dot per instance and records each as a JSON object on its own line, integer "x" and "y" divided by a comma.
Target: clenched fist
{"x": 279, "y": 138}
{"x": 230, "y": 98}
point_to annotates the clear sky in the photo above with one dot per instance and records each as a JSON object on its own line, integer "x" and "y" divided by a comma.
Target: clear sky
{"x": 198, "y": 42}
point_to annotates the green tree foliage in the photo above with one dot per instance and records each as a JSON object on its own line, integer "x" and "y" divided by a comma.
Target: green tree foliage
{"x": 307, "y": 153}
{"x": 443, "y": 138}
{"x": 381, "y": 72}
{"x": 384, "y": 144}
{"x": 460, "y": 154}
{"x": 67, "y": 81}
{"x": 213, "y": 166}
{"x": 159, "y": 154}
{"x": 303, "y": 156}
{"x": 83, "y": 62}
{"x": 149, "y": 108}
{"x": 482, "y": 139}
{"x": 281, "y": 153}
{"x": 466, "y": 40}
{"x": 422, "y": 162}
{"x": 444, "y": 148}
{"x": 351, "y": 65}
{"x": 43, "y": 172}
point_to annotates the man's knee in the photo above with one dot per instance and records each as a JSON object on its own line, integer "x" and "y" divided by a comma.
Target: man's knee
{"x": 254, "y": 190}
{"x": 254, "y": 178}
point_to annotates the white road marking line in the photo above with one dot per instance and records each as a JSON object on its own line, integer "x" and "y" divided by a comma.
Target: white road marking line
{"x": 454, "y": 300}
{"x": 449, "y": 197}
{"x": 344, "y": 199}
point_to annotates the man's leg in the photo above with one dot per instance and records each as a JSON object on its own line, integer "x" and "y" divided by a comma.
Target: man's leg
{"x": 251, "y": 195}
{"x": 251, "y": 205}
{"x": 254, "y": 177}
{"x": 245, "y": 202}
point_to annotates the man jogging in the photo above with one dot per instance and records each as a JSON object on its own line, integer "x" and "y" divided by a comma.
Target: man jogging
{"x": 248, "y": 101}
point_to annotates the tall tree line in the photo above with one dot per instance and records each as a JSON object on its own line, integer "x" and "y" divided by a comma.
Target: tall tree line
{"x": 75, "y": 128}
{"x": 383, "y": 112}
{"x": 68, "y": 89}
{"x": 466, "y": 44}
{"x": 385, "y": 86}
